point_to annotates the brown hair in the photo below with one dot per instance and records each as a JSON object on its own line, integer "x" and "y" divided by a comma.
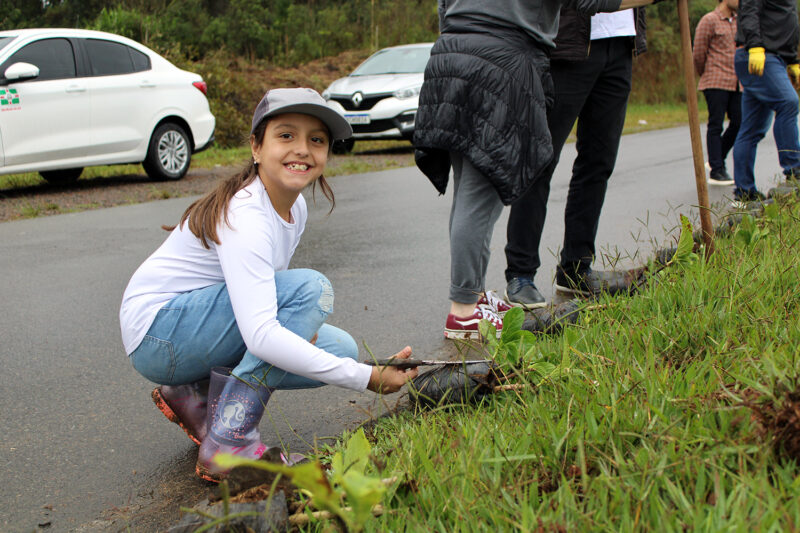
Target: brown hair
{"x": 205, "y": 214}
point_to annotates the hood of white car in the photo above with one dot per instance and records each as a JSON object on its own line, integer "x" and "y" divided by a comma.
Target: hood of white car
{"x": 376, "y": 84}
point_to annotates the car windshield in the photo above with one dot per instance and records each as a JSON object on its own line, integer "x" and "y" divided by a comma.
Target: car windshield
{"x": 395, "y": 61}
{"x": 5, "y": 40}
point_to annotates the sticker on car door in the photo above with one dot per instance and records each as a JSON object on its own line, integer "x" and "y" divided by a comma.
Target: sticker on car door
{"x": 9, "y": 100}
{"x": 361, "y": 118}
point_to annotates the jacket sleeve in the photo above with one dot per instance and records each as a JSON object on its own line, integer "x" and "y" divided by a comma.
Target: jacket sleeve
{"x": 749, "y": 21}
{"x": 590, "y": 7}
{"x": 702, "y": 36}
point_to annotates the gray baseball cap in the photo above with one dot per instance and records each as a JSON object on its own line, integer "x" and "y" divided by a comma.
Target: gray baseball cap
{"x": 301, "y": 100}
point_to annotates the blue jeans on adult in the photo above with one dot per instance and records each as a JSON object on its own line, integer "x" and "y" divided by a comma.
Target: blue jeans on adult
{"x": 197, "y": 331}
{"x": 764, "y": 95}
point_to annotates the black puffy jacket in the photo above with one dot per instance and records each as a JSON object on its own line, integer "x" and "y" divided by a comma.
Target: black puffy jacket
{"x": 486, "y": 96}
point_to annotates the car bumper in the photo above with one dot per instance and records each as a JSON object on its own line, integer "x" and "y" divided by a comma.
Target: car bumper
{"x": 206, "y": 145}
{"x": 399, "y": 127}
{"x": 390, "y": 118}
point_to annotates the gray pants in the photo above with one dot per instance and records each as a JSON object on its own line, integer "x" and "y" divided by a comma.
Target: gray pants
{"x": 476, "y": 208}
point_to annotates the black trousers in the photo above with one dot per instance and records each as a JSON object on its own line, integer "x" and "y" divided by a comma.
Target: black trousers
{"x": 720, "y": 103}
{"x": 595, "y": 93}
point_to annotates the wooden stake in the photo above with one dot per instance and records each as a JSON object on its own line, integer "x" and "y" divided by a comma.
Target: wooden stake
{"x": 694, "y": 128}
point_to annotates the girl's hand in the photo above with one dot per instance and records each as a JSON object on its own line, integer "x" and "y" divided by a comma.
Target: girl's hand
{"x": 388, "y": 379}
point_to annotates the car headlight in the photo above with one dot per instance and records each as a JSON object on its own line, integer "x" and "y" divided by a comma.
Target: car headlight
{"x": 326, "y": 94}
{"x": 408, "y": 92}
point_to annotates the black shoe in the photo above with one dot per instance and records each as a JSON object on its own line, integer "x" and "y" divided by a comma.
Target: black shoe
{"x": 742, "y": 197}
{"x": 720, "y": 177}
{"x": 793, "y": 175}
{"x": 521, "y": 292}
{"x": 592, "y": 282}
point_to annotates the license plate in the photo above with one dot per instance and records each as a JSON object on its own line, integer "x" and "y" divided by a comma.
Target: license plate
{"x": 357, "y": 119}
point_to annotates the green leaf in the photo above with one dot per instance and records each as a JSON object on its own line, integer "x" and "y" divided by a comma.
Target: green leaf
{"x": 512, "y": 322}
{"x": 309, "y": 476}
{"x": 684, "y": 255}
{"x": 772, "y": 212}
{"x": 362, "y": 493}
{"x": 355, "y": 456}
{"x": 488, "y": 332}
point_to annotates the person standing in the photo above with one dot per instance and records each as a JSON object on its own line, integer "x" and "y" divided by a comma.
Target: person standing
{"x": 713, "y": 51}
{"x": 768, "y": 68}
{"x": 483, "y": 112}
{"x": 591, "y": 69}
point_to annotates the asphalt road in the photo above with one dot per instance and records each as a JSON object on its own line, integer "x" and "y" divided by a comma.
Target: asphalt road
{"x": 83, "y": 448}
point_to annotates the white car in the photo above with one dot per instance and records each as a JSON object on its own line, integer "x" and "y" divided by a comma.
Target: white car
{"x": 76, "y": 98}
{"x": 380, "y": 97}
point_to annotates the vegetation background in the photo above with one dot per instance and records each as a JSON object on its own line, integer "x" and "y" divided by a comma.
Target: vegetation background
{"x": 242, "y": 47}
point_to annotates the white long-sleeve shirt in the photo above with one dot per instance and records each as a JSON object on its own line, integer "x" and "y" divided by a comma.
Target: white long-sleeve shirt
{"x": 256, "y": 244}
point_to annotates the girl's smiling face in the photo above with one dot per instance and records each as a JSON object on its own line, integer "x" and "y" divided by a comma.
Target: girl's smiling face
{"x": 292, "y": 155}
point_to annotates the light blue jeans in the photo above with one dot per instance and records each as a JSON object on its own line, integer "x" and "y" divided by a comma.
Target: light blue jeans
{"x": 197, "y": 330}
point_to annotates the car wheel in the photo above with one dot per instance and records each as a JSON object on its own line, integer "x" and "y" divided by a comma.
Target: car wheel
{"x": 63, "y": 176}
{"x": 169, "y": 153}
{"x": 343, "y": 147}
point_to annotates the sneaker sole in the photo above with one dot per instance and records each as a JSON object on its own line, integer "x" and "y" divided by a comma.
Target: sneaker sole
{"x": 527, "y": 307}
{"x": 164, "y": 407}
{"x": 460, "y": 334}
{"x": 714, "y": 182}
{"x": 204, "y": 473}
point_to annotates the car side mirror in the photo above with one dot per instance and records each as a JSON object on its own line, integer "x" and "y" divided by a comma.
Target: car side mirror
{"x": 20, "y": 72}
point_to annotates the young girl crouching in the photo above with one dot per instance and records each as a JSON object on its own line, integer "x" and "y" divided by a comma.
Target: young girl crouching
{"x": 216, "y": 317}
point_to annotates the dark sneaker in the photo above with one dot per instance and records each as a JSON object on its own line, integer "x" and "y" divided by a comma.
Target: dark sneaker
{"x": 491, "y": 300}
{"x": 720, "y": 177}
{"x": 467, "y": 327}
{"x": 521, "y": 292}
{"x": 742, "y": 197}
{"x": 793, "y": 175}
{"x": 592, "y": 282}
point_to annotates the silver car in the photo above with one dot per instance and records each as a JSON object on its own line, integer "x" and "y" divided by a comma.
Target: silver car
{"x": 380, "y": 98}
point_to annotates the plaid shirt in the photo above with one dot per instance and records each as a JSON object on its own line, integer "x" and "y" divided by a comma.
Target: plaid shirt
{"x": 714, "y": 47}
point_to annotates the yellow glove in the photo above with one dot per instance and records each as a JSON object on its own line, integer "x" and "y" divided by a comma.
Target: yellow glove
{"x": 794, "y": 73}
{"x": 757, "y": 59}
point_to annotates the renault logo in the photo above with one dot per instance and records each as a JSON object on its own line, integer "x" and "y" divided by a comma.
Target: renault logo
{"x": 357, "y": 98}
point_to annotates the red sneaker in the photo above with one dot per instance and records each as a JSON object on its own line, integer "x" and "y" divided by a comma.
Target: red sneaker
{"x": 491, "y": 300}
{"x": 467, "y": 327}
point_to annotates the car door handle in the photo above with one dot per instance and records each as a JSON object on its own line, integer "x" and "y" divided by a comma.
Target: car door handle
{"x": 76, "y": 89}
{"x": 146, "y": 84}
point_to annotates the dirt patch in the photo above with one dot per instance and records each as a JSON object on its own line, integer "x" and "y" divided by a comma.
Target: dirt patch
{"x": 779, "y": 422}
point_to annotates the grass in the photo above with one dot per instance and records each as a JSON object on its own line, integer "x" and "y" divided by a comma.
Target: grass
{"x": 653, "y": 116}
{"x": 656, "y": 412}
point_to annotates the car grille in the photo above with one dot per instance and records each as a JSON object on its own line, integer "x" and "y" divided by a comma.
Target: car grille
{"x": 375, "y": 126}
{"x": 367, "y": 104}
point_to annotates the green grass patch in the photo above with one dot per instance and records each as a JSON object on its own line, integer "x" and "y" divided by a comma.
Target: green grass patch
{"x": 646, "y": 117}
{"x": 674, "y": 409}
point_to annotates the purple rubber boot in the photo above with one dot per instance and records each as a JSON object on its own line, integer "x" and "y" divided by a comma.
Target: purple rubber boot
{"x": 235, "y": 408}
{"x": 186, "y": 406}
